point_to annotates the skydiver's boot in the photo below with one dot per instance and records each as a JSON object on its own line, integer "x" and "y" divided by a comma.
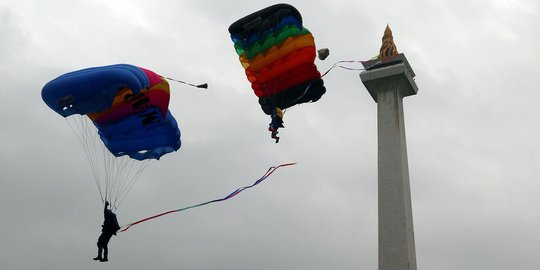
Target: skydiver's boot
{"x": 98, "y": 258}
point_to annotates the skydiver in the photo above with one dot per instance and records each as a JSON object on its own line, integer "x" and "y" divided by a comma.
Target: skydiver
{"x": 109, "y": 228}
{"x": 277, "y": 122}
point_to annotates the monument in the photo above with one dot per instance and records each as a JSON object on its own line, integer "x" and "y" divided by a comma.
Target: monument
{"x": 389, "y": 79}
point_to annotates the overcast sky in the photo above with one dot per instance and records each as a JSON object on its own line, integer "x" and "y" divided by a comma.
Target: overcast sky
{"x": 472, "y": 134}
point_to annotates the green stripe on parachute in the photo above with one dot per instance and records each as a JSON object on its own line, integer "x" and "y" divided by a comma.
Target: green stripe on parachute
{"x": 270, "y": 41}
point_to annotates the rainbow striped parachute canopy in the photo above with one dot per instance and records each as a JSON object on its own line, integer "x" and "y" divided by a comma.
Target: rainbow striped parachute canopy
{"x": 278, "y": 55}
{"x": 127, "y": 104}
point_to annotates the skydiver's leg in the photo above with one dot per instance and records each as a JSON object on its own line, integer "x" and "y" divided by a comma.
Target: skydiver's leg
{"x": 99, "y": 253}
{"x": 100, "y": 247}
{"x": 105, "y": 253}
{"x": 106, "y": 239}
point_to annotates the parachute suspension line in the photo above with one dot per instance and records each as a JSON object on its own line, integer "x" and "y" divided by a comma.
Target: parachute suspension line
{"x": 108, "y": 168}
{"x": 114, "y": 176}
{"x": 301, "y": 96}
{"x": 90, "y": 134}
{"x": 231, "y": 195}
{"x": 144, "y": 164}
{"x": 121, "y": 165}
{"x": 204, "y": 85}
{"x": 111, "y": 174}
{"x": 121, "y": 175}
{"x": 337, "y": 64}
{"x": 82, "y": 131}
{"x": 298, "y": 98}
{"x": 124, "y": 165}
{"x": 92, "y": 147}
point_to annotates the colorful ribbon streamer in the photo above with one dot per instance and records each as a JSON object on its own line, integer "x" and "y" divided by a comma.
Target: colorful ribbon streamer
{"x": 234, "y": 193}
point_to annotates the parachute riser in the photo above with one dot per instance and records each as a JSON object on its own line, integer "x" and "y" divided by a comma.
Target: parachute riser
{"x": 204, "y": 85}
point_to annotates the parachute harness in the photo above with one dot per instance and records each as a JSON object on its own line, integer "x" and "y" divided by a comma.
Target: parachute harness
{"x": 232, "y": 194}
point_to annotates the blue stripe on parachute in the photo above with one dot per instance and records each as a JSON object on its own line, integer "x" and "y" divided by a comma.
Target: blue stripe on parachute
{"x": 289, "y": 20}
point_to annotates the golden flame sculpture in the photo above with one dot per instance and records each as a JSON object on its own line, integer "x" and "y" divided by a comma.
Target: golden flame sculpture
{"x": 388, "y": 48}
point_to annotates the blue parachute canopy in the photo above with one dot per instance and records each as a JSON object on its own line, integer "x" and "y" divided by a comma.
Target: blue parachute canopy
{"x": 127, "y": 104}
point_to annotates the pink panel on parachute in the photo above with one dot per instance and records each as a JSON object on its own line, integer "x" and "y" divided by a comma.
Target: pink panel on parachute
{"x": 152, "y": 76}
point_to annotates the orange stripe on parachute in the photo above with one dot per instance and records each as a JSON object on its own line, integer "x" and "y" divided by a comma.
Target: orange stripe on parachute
{"x": 158, "y": 95}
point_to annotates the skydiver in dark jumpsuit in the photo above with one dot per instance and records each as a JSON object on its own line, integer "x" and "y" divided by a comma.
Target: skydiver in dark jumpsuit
{"x": 109, "y": 228}
{"x": 277, "y": 122}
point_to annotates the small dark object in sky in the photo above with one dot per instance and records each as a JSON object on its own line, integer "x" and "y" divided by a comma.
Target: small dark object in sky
{"x": 323, "y": 53}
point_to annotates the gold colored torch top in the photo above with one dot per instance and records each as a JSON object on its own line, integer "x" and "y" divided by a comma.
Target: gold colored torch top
{"x": 388, "y": 48}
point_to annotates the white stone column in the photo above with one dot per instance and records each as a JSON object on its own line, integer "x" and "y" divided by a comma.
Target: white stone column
{"x": 388, "y": 85}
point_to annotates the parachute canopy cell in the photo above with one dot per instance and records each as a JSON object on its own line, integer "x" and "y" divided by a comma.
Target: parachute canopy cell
{"x": 127, "y": 104}
{"x": 278, "y": 55}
